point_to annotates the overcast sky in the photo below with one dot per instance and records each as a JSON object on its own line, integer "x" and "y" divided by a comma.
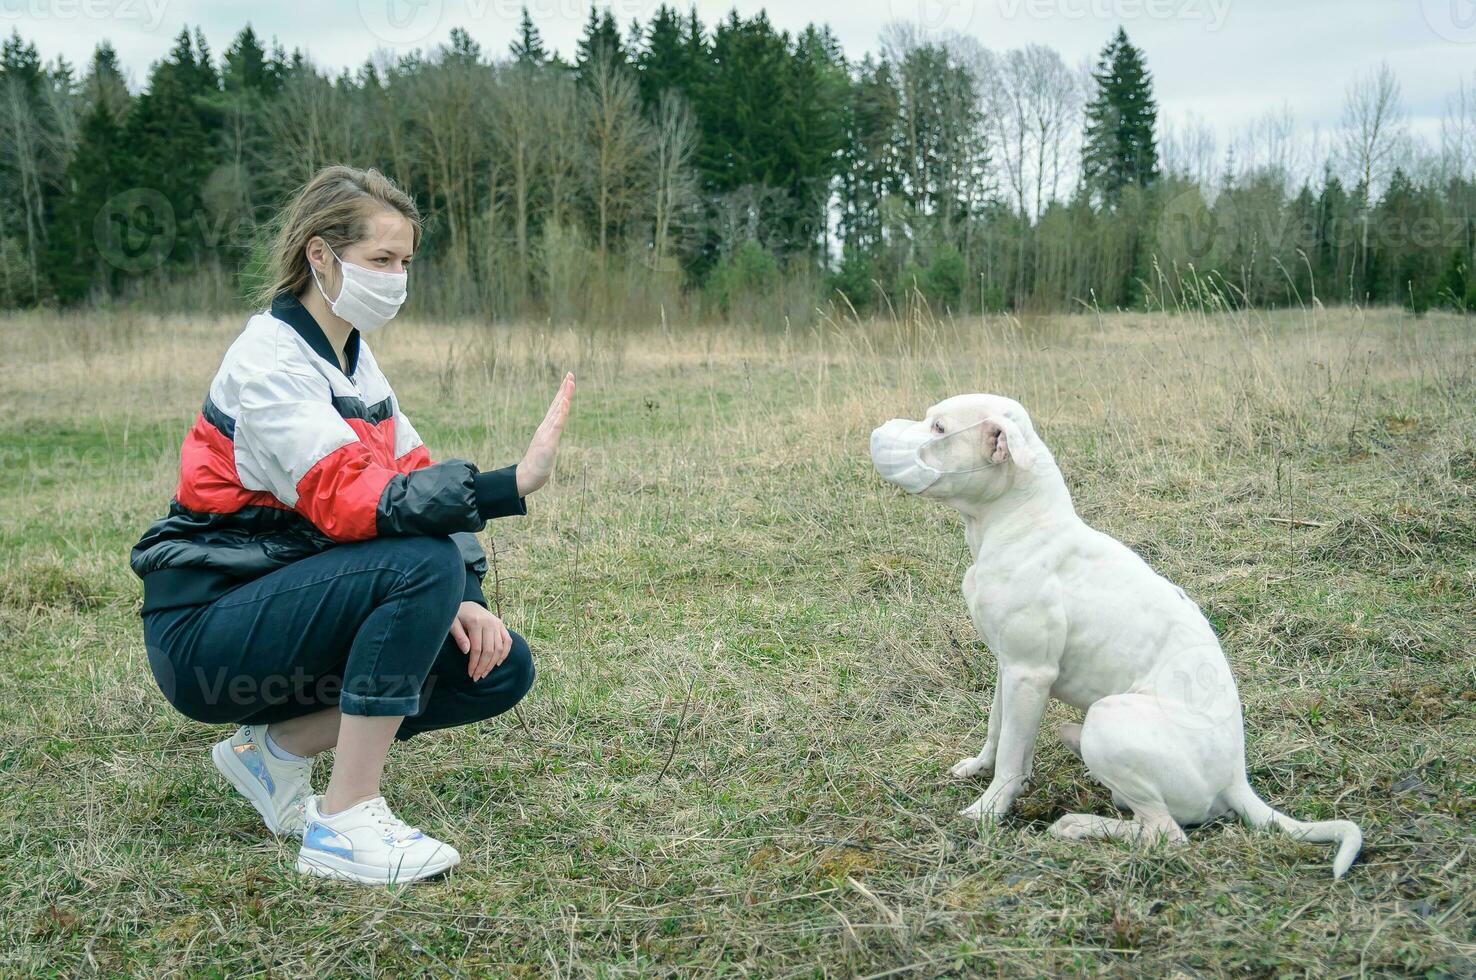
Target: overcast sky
{"x": 1227, "y": 61}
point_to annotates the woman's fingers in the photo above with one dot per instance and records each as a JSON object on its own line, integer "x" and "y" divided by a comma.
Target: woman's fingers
{"x": 478, "y": 665}
{"x": 458, "y": 634}
{"x": 538, "y": 462}
{"x": 560, "y": 403}
{"x": 489, "y": 648}
{"x": 477, "y": 650}
{"x": 558, "y": 412}
{"x": 484, "y": 639}
{"x": 504, "y": 643}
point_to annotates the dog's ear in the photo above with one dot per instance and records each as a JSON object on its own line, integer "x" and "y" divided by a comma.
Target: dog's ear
{"x": 1004, "y": 441}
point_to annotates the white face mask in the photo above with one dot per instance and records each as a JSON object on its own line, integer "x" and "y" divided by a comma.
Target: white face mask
{"x": 897, "y": 448}
{"x": 367, "y": 298}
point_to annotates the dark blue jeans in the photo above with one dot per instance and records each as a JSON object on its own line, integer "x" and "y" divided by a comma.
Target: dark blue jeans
{"x": 362, "y": 627}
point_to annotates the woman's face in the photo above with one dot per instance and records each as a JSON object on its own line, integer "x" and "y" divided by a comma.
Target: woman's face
{"x": 387, "y": 246}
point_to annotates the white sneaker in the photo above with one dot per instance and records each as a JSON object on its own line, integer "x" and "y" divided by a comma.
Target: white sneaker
{"x": 369, "y": 844}
{"x": 278, "y": 788}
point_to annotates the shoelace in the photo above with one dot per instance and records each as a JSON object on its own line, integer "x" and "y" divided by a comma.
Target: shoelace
{"x": 299, "y": 790}
{"x": 394, "y": 828}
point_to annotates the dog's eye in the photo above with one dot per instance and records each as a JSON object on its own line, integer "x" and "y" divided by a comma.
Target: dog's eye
{"x": 938, "y": 427}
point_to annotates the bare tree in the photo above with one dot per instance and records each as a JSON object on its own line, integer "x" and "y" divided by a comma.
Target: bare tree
{"x": 1458, "y": 131}
{"x": 1057, "y": 123}
{"x": 312, "y": 124}
{"x": 516, "y": 124}
{"x": 561, "y": 149}
{"x": 1268, "y": 146}
{"x": 673, "y": 183}
{"x": 1036, "y": 109}
{"x": 1373, "y": 131}
{"x": 452, "y": 142}
{"x": 22, "y": 138}
{"x": 1003, "y": 96}
{"x": 383, "y": 116}
{"x": 1373, "y": 125}
{"x": 1191, "y": 151}
{"x": 618, "y": 146}
{"x": 944, "y": 142}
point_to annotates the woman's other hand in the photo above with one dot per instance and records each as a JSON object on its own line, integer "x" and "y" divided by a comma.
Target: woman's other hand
{"x": 538, "y": 462}
{"x": 482, "y": 637}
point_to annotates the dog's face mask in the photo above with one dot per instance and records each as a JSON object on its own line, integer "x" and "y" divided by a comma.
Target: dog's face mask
{"x": 914, "y": 455}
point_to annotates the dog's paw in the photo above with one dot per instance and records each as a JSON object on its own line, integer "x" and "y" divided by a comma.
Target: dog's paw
{"x": 980, "y": 811}
{"x": 996, "y": 801}
{"x": 1073, "y": 826}
{"x": 969, "y": 768}
{"x": 988, "y": 808}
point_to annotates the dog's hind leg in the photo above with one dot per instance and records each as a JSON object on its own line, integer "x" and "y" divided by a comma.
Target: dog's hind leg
{"x": 1145, "y": 827}
{"x": 1130, "y": 745}
{"x": 1071, "y": 738}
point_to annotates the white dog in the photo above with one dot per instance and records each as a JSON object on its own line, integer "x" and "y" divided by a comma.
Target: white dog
{"x": 1072, "y": 613}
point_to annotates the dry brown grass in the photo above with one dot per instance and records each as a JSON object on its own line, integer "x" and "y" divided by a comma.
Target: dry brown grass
{"x": 755, "y": 665}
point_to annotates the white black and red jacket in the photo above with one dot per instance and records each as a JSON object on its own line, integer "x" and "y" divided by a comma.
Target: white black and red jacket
{"x": 291, "y": 455}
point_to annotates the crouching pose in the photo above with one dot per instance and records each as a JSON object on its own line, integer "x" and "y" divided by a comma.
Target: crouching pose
{"x": 316, "y": 580}
{"x": 1072, "y": 613}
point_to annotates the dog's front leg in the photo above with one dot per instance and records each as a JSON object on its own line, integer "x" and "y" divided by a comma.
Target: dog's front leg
{"x": 1023, "y": 692}
{"x": 971, "y": 766}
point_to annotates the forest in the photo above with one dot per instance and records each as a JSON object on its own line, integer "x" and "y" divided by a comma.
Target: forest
{"x": 727, "y": 172}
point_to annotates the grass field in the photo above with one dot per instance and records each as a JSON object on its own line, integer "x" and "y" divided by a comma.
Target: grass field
{"x": 755, "y": 664}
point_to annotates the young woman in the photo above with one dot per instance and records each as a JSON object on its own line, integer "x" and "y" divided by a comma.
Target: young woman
{"x": 316, "y": 579}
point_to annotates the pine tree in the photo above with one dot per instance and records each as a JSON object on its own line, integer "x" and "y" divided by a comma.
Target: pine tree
{"x": 870, "y": 173}
{"x": 665, "y": 59}
{"x": 747, "y": 124}
{"x": 820, "y": 82}
{"x": 20, "y": 62}
{"x": 251, "y": 78}
{"x": 527, "y": 48}
{"x": 463, "y": 49}
{"x": 104, "y": 82}
{"x": 1120, "y": 149}
{"x": 98, "y": 170}
{"x": 248, "y": 67}
{"x": 170, "y": 135}
{"x": 601, "y": 35}
{"x": 27, "y": 166}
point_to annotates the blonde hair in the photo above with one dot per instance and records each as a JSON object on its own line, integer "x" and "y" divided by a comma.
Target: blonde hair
{"x": 335, "y": 205}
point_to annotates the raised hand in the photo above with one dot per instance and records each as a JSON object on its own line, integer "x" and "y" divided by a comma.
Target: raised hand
{"x": 538, "y": 462}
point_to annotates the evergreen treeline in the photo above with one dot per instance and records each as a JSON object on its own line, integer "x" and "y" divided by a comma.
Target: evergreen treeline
{"x": 727, "y": 170}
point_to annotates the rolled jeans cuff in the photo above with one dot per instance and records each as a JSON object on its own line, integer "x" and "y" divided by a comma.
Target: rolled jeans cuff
{"x": 378, "y": 707}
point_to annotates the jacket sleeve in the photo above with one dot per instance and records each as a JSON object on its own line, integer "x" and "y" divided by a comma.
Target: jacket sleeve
{"x": 499, "y": 493}
{"x": 496, "y": 490}
{"x": 291, "y": 441}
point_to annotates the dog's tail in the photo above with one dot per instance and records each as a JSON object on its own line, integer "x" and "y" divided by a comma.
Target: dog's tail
{"x": 1256, "y": 812}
